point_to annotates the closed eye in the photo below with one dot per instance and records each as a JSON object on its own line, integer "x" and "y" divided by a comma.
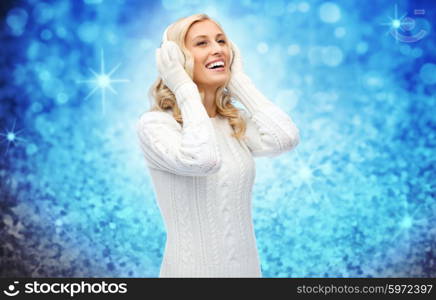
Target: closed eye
{"x": 200, "y": 43}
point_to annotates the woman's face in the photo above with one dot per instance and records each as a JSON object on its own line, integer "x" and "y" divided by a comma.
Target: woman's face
{"x": 207, "y": 43}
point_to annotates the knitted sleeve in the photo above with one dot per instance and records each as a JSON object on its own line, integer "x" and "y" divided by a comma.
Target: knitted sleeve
{"x": 270, "y": 131}
{"x": 190, "y": 150}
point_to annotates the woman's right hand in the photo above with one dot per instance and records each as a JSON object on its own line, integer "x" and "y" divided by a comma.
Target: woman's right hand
{"x": 170, "y": 60}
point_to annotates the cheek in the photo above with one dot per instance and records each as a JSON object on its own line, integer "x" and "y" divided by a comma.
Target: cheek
{"x": 199, "y": 71}
{"x": 199, "y": 65}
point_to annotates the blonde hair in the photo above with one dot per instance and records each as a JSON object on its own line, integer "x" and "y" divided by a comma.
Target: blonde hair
{"x": 162, "y": 97}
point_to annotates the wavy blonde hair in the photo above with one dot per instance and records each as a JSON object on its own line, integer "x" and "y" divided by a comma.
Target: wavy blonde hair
{"x": 162, "y": 97}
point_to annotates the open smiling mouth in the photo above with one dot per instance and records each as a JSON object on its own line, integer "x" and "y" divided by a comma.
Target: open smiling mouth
{"x": 216, "y": 67}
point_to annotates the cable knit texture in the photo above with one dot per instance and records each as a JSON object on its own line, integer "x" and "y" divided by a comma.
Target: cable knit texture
{"x": 203, "y": 179}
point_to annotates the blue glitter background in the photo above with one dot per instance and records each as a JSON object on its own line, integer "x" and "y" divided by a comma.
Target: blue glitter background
{"x": 356, "y": 198}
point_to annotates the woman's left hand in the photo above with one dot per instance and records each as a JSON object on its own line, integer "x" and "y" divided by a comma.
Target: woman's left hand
{"x": 237, "y": 66}
{"x": 237, "y": 70}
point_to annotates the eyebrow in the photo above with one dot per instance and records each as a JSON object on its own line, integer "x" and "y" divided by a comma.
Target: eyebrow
{"x": 206, "y": 35}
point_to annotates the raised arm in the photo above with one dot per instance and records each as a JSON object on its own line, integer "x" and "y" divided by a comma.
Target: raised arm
{"x": 270, "y": 130}
{"x": 190, "y": 150}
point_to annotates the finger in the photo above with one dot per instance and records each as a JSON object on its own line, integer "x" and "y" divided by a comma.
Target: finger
{"x": 157, "y": 54}
{"x": 234, "y": 53}
{"x": 180, "y": 55}
{"x": 236, "y": 50}
{"x": 164, "y": 54}
{"x": 176, "y": 53}
{"x": 238, "y": 58}
{"x": 171, "y": 51}
{"x": 158, "y": 58}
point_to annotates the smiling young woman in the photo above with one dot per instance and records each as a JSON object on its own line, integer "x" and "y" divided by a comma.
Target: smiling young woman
{"x": 206, "y": 49}
{"x": 200, "y": 150}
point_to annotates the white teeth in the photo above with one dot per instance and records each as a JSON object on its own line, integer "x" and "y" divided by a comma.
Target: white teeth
{"x": 218, "y": 63}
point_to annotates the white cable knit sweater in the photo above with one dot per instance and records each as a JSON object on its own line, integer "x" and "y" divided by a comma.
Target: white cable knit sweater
{"x": 203, "y": 180}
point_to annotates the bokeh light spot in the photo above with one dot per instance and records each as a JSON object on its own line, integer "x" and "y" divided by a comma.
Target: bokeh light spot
{"x": 329, "y": 12}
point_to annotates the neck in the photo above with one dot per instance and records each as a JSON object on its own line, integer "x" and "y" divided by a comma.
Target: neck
{"x": 209, "y": 101}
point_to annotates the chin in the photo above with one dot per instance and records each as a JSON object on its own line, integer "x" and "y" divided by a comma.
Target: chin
{"x": 219, "y": 80}
{"x": 213, "y": 81}
{"x": 217, "y": 83}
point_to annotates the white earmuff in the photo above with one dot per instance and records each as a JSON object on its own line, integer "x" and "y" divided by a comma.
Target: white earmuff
{"x": 165, "y": 39}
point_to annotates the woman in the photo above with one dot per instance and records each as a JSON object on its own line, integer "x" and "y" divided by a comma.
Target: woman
{"x": 199, "y": 149}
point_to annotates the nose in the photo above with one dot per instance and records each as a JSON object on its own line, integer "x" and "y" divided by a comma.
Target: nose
{"x": 217, "y": 48}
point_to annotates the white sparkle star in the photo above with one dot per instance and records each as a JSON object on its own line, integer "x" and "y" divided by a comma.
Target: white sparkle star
{"x": 408, "y": 221}
{"x": 11, "y": 136}
{"x": 103, "y": 81}
{"x": 394, "y": 23}
{"x": 306, "y": 174}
